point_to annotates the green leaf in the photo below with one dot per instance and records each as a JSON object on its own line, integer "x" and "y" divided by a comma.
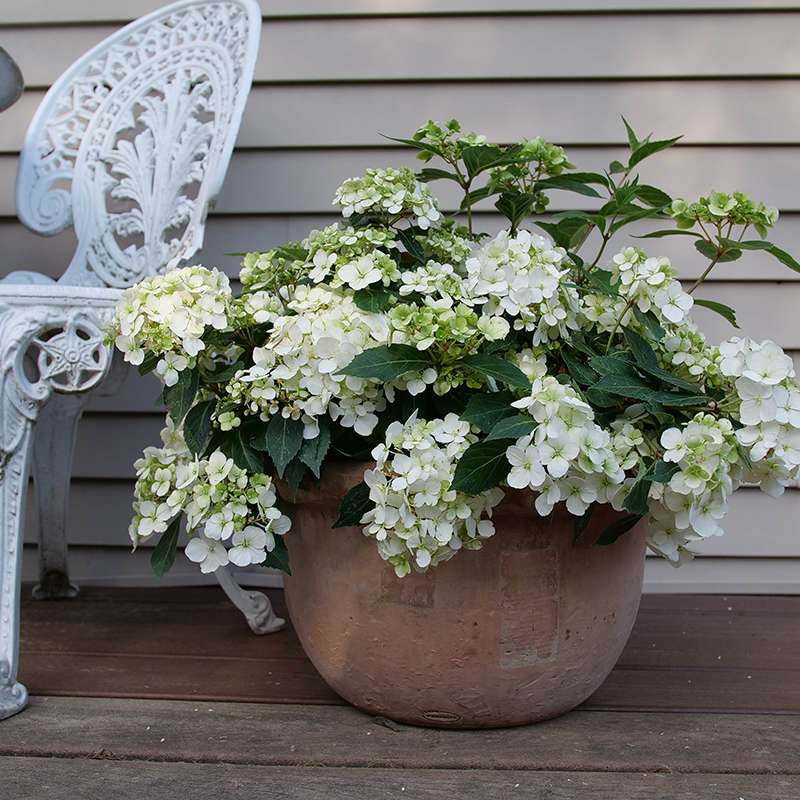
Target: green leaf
{"x": 581, "y": 523}
{"x": 649, "y": 321}
{"x": 633, "y": 142}
{"x": 225, "y": 372}
{"x": 485, "y": 410}
{"x": 662, "y": 471}
{"x": 671, "y": 232}
{"x": 636, "y": 501}
{"x": 470, "y": 198}
{"x": 483, "y": 465}
{"x": 179, "y": 398}
{"x": 719, "y": 308}
{"x": 354, "y": 505}
{"x": 416, "y": 144}
{"x": 480, "y": 157}
{"x": 616, "y": 167}
{"x": 784, "y": 258}
{"x": 647, "y": 149}
{"x": 514, "y": 206}
{"x": 387, "y": 362}
{"x": 567, "y": 183}
{"x": 432, "y": 174}
{"x": 412, "y": 245}
{"x": 163, "y": 557}
{"x": 653, "y": 196}
{"x": 644, "y": 355}
{"x": 600, "y": 280}
{"x": 635, "y": 387}
{"x": 313, "y": 451}
{"x": 511, "y": 428}
{"x": 567, "y": 233}
{"x": 278, "y": 558}
{"x": 498, "y": 368}
{"x": 283, "y": 439}
{"x": 245, "y": 456}
{"x": 613, "y": 365}
{"x": 580, "y": 371}
{"x": 617, "y": 529}
{"x": 197, "y": 426}
{"x": 706, "y": 249}
{"x": 634, "y": 213}
{"x": 752, "y": 244}
{"x": 149, "y": 363}
{"x": 373, "y": 299}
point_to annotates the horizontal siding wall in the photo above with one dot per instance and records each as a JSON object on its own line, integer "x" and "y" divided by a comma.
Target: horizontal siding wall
{"x": 333, "y": 77}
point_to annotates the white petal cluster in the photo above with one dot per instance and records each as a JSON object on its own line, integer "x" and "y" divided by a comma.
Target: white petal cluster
{"x": 693, "y": 503}
{"x": 650, "y": 283}
{"x": 418, "y": 520}
{"x": 568, "y": 456}
{"x": 168, "y": 314}
{"x": 351, "y": 256}
{"x": 388, "y": 192}
{"x": 767, "y": 401}
{"x": 295, "y": 372}
{"x": 521, "y": 276}
{"x": 230, "y": 514}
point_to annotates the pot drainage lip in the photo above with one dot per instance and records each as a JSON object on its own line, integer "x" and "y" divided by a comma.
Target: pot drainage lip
{"x": 441, "y": 716}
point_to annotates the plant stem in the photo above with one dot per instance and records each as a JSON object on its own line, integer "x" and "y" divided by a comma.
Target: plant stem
{"x": 625, "y": 310}
{"x": 708, "y": 269}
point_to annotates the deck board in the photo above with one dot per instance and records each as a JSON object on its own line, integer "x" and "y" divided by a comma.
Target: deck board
{"x": 98, "y": 779}
{"x": 692, "y": 653}
{"x": 340, "y": 736}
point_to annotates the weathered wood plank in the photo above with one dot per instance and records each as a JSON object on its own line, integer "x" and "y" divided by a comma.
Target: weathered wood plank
{"x": 104, "y": 650}
{"x": 96, "y": 779}
{"x": 758, "y": 111}
{"x": 556, "y": 46}
{"x": 340, "y": 736}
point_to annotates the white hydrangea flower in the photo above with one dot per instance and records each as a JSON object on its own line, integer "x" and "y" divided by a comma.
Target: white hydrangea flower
{"x": 168, "y": 315}
{"x": 418, "y": 521}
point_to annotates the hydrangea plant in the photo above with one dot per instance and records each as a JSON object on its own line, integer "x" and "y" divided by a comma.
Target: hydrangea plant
{"x": 458, "y": 365}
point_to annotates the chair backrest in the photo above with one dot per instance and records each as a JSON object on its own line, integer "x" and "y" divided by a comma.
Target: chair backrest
{"x": 132, "y": 143}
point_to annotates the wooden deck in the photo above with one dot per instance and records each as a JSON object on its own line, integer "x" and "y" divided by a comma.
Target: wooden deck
{"x": 165, "y": 693}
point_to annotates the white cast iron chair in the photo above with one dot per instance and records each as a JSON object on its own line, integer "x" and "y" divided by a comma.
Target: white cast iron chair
{"x": 130, "y": 145}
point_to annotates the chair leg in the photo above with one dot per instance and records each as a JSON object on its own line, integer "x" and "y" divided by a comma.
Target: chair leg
{"x": 53, "y": 449}
{"x": 255, "y": 606}
{"x": 14, "y": 472}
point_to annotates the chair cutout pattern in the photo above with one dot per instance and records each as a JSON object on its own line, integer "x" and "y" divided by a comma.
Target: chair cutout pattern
{"x": 131, "y": 146}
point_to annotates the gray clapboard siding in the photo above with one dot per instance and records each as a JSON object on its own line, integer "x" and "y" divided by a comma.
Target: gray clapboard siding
{"x": 582, "y": 112}
{"x": 486, "y": 47}
{"x": 100, "y": 513}
{"x": 45, "y": 11}
{"x": 283, "y": 181}
{"x": 227, "y": 234}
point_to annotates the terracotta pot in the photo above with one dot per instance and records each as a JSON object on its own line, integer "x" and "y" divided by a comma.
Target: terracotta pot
{"x": 523, "y": 630}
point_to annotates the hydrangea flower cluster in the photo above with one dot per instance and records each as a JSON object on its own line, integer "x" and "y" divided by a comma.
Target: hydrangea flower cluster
{"x": 567, "y": 457}
{"x": 230, "y": 515}
{"x": 418, "y": 519}
{"x": 463, "y": 363}
{"x": 167, "y": 315}
{"x": 297, "y": 375}
{"x": 388, "y": 193}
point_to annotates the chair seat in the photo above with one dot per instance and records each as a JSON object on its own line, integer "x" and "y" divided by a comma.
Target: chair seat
{"x": 56, "y": 294}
